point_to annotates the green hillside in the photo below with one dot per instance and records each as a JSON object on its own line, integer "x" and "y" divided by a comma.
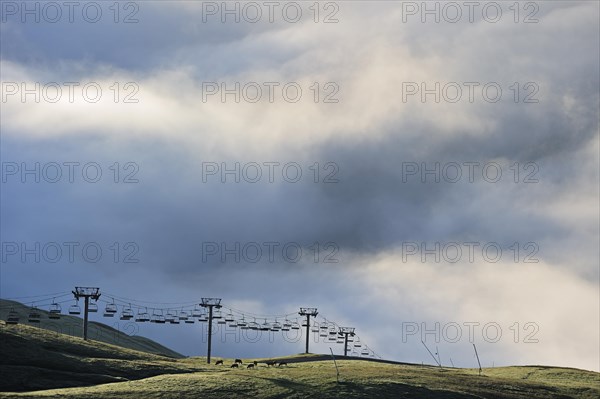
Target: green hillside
{"x": 34, "y": 358}
{"x": 72, "y": 325}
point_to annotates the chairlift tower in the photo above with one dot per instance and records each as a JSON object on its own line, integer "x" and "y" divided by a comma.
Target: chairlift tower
{"x": 86, "y": 293}
{"x": 308, "y": 312}
{"x": 210, "y": 303}
{"x": 345, "y": 332}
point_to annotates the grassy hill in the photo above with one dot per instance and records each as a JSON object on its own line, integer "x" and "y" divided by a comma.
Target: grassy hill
{"x": 72, "y": 325}
{"x": 34, "y": 358}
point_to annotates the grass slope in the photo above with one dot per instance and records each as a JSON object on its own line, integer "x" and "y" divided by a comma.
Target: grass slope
{"x": 72, "y": 325}
{"x": 34, "y": 358}
{"x": 37, "y": 359}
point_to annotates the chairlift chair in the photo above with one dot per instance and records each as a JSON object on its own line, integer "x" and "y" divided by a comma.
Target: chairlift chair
{"x": 75, "y": 309}
{"x": 171, "y": 316}
{"x": 142, "y": 316}
{"x": 92, "y": 307}
{"x": 295, "y": 326}
{"x": 13, "y": 317}
{"x": 229, "y": 318}
{"x": 157, "y": 317}
{"x": 110, "y": 310}
{"x": 197, "y": 312}
{"x": 183, "y": 315}
{"x": 54, "y": 311}
{"x": 242, "y": 323}
{"x": 276, "y": 326}
{"x": 265, "y": 326}
{"x": 253, "y": 325}
{"x": 34, "y": 315}
{"x": 127, "y": 313}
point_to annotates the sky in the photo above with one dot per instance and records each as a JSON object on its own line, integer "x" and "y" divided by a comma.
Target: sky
{"x": 419, "y": 171}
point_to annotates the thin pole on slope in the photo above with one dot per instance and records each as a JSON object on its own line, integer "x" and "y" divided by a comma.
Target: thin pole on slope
{"x": 337, "y": 371}
{"x": 474, "y": 347}
{"x": 434, "y": 359}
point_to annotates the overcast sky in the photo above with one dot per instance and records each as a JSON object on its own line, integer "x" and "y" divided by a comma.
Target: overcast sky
{"x": 430, "y": 172}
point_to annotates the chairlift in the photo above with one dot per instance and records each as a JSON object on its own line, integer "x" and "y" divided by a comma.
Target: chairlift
{"x": 75, "y": 309}
{"x": 110, "y": 310}
{"x": 304, "y": 323}
{"x": 142, "y": 316}
{"x": 242, "y": 323}
{"x": 315, "y": 328}
{"x": 323, "y": 334}
{"x": 364, "y": 352}
{"x": 276, "y": 326}
{"x": 157, "y": 317}
{"x": 357, "y": 343}
{"x": 171, "y": 316}
{"x": 54, "y": 311}
{"x": 127, "y": 313}
{"x": 13, "y": 317}
{"x": 253, "y": 325}
{"x": 92, "y": 307}
{"x": 229, "y": 318}
{"x": 217, "y": 314}
{"x": 295, "y": 326}
{"x": 265, "y": 326}
{"x": 197, "y": 312}
{"x": 183, "y": 315}
{"x": 203, "y": 317}
{"x": 34, "y": 315}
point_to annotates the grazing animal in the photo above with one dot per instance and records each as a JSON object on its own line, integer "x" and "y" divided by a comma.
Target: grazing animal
{"x": 255, "y": 363}
{"x": 271, "y": 363}
{"x": 282, "y": 364}
{"x": 234, "y": 366}
{"x": 218, "y": 362}
{"x": 250, "y": 366}
{"x": 238, "y": 361}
